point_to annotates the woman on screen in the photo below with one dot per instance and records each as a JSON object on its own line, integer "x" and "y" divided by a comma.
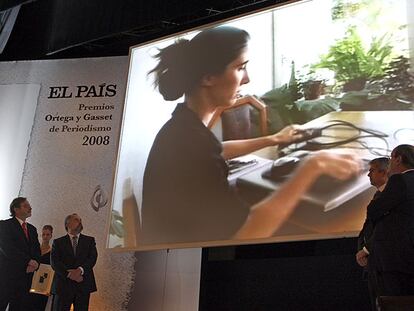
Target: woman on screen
{"x": 186, "y": 195}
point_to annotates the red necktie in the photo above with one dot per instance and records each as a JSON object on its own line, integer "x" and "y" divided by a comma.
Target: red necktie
{"x": 26, "y": 233}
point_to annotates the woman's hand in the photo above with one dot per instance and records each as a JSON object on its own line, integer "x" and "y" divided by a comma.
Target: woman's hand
{"x": 236, "y": 148}
{"x": 340, "y": 164}
{"x": 287, "y": 135}
{"x": 268, "y": 215}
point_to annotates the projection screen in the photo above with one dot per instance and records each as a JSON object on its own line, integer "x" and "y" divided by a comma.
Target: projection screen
{"x": 340, "y": 69}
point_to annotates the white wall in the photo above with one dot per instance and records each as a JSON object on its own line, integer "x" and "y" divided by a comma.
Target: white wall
{"x": 167, "y": 280}
{"x": 60, "y": 175}
{"x": 17, "y": 110}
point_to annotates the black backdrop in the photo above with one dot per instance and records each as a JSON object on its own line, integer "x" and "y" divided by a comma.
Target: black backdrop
{"x": 309, "y": 275}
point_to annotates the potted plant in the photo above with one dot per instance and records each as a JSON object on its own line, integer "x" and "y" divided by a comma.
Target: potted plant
{"x": 394, "y": 92}
{"x": 398, "y": 78}
{"x": 353, "y": 64}
{"x": 312, "y": 85}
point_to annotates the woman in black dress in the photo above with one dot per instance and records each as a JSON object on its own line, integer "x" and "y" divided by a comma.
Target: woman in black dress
{"x": 40, "y": 301}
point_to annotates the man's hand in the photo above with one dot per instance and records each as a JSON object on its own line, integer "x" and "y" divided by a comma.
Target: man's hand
{"x": 32, "y": 266}
{"x": 33, "y": 263}
{"x": 362, "y": 258}
{"x": 75, "y": 275}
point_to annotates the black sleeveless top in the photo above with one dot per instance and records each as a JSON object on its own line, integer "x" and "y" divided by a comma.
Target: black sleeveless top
{"x": 186, "y": 195}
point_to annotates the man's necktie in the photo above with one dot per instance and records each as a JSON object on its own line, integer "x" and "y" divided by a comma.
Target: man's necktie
{"x": 74, "y": 244}
{"x": 26, "y": 233}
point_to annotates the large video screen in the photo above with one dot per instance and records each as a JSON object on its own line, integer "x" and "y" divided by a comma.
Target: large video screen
{"x": 262, "y": 128}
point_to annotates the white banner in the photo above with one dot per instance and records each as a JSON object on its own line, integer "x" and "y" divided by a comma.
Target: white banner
{"x": 72, "y": 152}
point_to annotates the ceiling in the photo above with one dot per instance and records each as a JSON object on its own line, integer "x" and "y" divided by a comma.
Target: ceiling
{"x": 46, "y": 29}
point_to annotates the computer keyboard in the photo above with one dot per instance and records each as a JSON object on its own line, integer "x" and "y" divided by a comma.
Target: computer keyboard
{"x": 238, "y": 165}
{"x": 326, "y": 190}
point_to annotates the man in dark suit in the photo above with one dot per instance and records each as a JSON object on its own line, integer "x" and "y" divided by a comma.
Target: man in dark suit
{"x": 392, "y": 246}
{"x": 19, "y": 256}
{"x": 378, "y": 176}
{"x": 73, "y": 258}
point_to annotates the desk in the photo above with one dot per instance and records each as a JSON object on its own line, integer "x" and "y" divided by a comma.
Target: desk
{"x": 310, "y": 218}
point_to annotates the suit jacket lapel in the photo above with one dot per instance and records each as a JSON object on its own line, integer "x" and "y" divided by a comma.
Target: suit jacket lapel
{"x": 79, "y": 248}
{"x": 376, "y": 195}
{"x": 31, "y": 233}
{"x": 69, "y": 245}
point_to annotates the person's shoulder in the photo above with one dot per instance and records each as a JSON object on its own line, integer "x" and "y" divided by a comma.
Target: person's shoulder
{"x": 408, "y": 179}
{"x": 87, "y": 237}
{"x": 396, "y": 183}
{"x": 29, "y": 225}
{"x": 89, "y": 240}
{"x": 5, "y": 225}
{"x": 408, "y": 175}
{"x": 60, "y": 239}
{"x": 183, "y": 122}
{"x": 8, "y": 222}
{"x": 396, "y": 178}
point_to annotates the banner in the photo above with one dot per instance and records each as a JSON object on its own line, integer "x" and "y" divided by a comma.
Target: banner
{"x": 71, "y": 111}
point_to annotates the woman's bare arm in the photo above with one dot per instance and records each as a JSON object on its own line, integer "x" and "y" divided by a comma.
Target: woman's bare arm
{"x": 236, "y": 148}
{"x": 269, "y": 214}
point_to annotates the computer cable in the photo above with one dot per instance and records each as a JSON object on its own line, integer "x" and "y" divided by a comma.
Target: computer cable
{"x": 401, "y": 132}
{"x": 361, "y": 133}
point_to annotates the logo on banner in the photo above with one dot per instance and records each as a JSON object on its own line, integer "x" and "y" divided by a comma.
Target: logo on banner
{"x": 99, "y": 198}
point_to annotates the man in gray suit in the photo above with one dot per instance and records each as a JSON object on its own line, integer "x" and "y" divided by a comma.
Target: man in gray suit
{"x": 73, "y": 257}
{"x": 378, "y": 176}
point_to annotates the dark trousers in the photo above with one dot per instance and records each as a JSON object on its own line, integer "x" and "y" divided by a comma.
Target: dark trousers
{"x": 38, "y": 302}
{"x": 14, "y": 292}
{"x": 79, "y": 300}
{"x": 372, "y": 281}
{"x": 395, "y": 284}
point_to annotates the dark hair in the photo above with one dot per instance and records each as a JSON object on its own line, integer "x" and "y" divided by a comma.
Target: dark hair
{"x": 16, "y": 204}
{"x": 48, "y": 227}
{"x": 183, "y": 64}
{"x": 406, "y": 152}
{"x": 382, "y": 163}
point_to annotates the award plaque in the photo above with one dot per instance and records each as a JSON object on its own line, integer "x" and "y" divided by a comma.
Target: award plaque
{"x": 42, "y": 280}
